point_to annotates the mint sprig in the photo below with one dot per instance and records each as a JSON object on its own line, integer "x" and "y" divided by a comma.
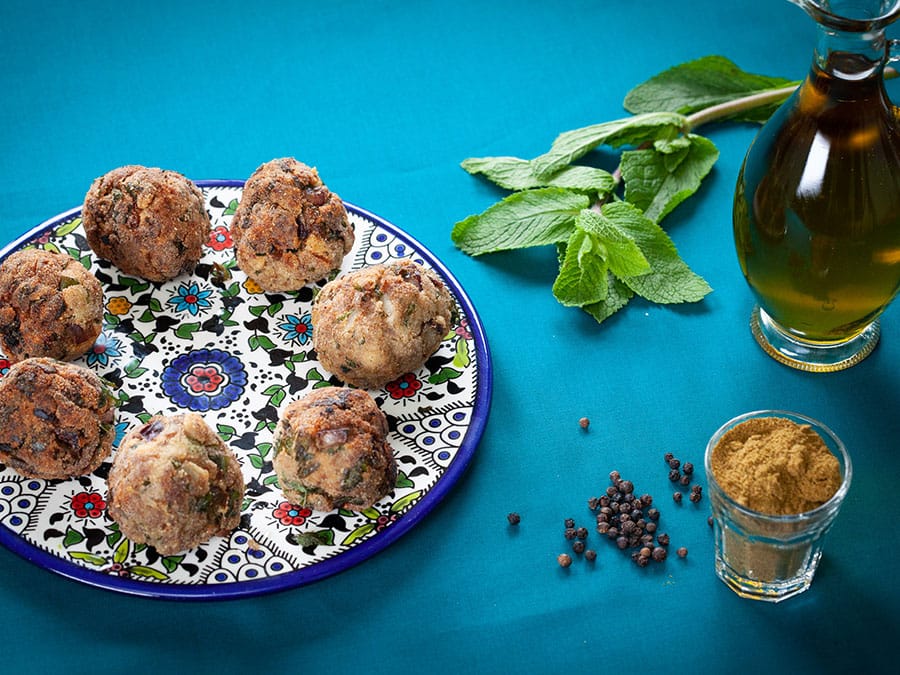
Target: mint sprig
{"x": 606, "y": 226}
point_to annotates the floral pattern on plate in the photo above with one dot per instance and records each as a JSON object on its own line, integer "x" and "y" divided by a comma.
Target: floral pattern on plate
{"x": 215, "y": 343}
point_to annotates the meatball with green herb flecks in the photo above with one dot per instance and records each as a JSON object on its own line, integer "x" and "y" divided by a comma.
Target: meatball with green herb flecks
{"x": 331, "y": 450}
{"x": 289, "y": 228}
{"x": 375, "y": 324}
{"x": 174, "y": 484}
{"x": 56, "y": 419}
{"x": 149, "y": 222}
{"x": 50, "y": 305}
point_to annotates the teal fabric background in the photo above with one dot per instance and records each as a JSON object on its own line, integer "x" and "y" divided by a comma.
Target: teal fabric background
{"x": 386, "y": 98}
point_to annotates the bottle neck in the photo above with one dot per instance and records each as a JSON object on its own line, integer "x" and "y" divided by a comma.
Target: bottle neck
{"x": 850, "y": 55}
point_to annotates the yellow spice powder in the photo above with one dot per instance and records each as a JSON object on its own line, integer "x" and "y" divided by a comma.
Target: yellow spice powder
{"x": 775, "y": 466}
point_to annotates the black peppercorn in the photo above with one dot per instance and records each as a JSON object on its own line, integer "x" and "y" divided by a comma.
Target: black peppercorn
{"x": 695, "y": 497}
{"x": 570, "y": 523}
{"x": 685, "y": 480}
{"x": 626, "y": 486}
{"x": 653, "y": 514}
{"x": 614, "y": 476}
{"x": 646, "y": 500}
{"x": 581, "y": 533}
{"x": 674, "y": 463}
{"x": 682, "y": 552}
{"x": 513, "y": 518}
{"x": 602, "y": 528}
{"x": 569, "y": 533}
{"x": 604, "y": 500}
{"x": 659, "y": 554}
{"x": 688, "y": 468}
{"x": 651, "y": 527}
{"x": 674, "y": 475}
{"x": 645, "y": 552}
{"x": 564, "y": 559}
{"x": 578, "y": 546}
{"x": 602, "y": 518}
{"x": 668, "y": 457}
{"x": 677, "y": 497}
{"x": 622, "y": 542}
{"x": 696, "y": 488}
{"x": 611, "y": 491}
{"x": 663, "y": 539}
{"x": 593, "y": 503}
{"x": 584, "y": 423}
{"x": 590, "y": 555}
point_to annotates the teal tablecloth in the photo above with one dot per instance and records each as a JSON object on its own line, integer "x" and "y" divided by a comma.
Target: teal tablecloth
{"x": 386, "y": 98}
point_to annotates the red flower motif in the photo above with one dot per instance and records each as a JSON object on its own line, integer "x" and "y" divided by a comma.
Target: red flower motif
{"x": 88, "y": 504}
{"x": 404, "y": 387}
{"x": 204, "y": 379}
{"x": 4, "y": 366}
{"x": 290, "y": 514}
{"x": 384, "y": 521}
{"x": 220, "y": 238}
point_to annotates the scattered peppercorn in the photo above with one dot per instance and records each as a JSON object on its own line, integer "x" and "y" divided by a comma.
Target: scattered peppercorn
{"x": 659, "y": 554}
{"x": 513, "y": 518}
{"x": 593, "y": 503}
{"x": 569, "y": 533}
{"x": 682, "y": 552}
{"x": 578, "y": 546}
{"x": 663, "y": 539}
{"x": 668, "y": 457}
{"x": 674, "y": 475}
{"x": 674, "y": 463}
{"x": 590, "y": 555}
{"x": 614, "y": 476}
{"x": 677, "y": 497}
{"x": 688, "y": 468}
{"x": 570, "y": 523}
{"x": 584, "y": 423}
{"x": 653, "y": 514}
{"x": 581, "y": 533}
{"x": 695, "y": 497}
{"x": 626, "y": 487}
{"x": 564, "y": 559}
{"x": 685, "y": 480}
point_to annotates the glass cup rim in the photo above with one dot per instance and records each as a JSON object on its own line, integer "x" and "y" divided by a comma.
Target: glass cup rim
{"x": 820, "y": 427}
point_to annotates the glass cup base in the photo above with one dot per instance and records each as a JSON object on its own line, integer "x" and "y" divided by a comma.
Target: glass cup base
{"x": 811, "y": 356}
{"x": 754, "y": 589}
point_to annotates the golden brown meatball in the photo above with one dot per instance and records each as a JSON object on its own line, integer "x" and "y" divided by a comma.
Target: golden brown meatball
{"x": 56, "y": 419}
{"x": 331, "y": 450}
{"x": 174, "y": 484}
{"x": 289, "y": 229}
{"x": 375, "y": 324}
{"x": 50, "y": 305}
{"x": 148, "y": 222}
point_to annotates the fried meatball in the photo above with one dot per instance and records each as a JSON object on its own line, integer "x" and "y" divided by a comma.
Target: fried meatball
{"x": 56, "y": 419}
{"x": 148, "y": 222}
{"x": 331, "y": 450}
{"x": 50, "y": 305}
{"x": 289, "y": 228}
{"x": 174, "y": 484}
{"x": 375, "y": 324}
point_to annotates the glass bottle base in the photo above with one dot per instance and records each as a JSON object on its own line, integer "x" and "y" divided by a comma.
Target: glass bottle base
{"x": 811, "y": 356}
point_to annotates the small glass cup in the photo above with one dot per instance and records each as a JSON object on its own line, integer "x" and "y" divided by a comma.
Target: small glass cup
{"x": 766, "y": 557}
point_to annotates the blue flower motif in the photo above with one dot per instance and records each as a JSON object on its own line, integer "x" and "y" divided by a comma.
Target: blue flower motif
{"x": 105, "y": 348}
{"x": 204, "y": 379}
{"x": 120, "y": 430}
{"x": 297, "y": 328}
{"x": 191, "y": 299}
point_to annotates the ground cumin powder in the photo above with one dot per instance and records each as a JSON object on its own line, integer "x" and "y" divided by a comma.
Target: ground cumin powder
{"x": 775, "y": 466}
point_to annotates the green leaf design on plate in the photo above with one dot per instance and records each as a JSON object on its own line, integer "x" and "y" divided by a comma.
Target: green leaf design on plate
{"x": 358, "y": 533}
{"x": 186, "y": 330}
{"x": 147, "y": 572}
{"x": 89, "y": 558}
{"x": 403, "y": 502}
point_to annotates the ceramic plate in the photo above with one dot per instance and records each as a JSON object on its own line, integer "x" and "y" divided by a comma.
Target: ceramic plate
{"x": 254, "y": 351}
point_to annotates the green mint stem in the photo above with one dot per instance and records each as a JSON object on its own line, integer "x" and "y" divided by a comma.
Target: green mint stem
{"x": 728, "y": 108}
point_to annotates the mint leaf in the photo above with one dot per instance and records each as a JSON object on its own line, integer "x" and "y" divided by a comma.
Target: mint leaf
{"x": 617, "y": 296}
{"x": 670, "y": 280}
{"x": 658, "y": 179}
{"x": 523, "y": 219}
{"x": 702, "y": 83}
{"x": 513, "y": 173}
{"x": 571, "y": 145}
{"x": 582, "y": 274}
{"x": 619, "y": 251}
